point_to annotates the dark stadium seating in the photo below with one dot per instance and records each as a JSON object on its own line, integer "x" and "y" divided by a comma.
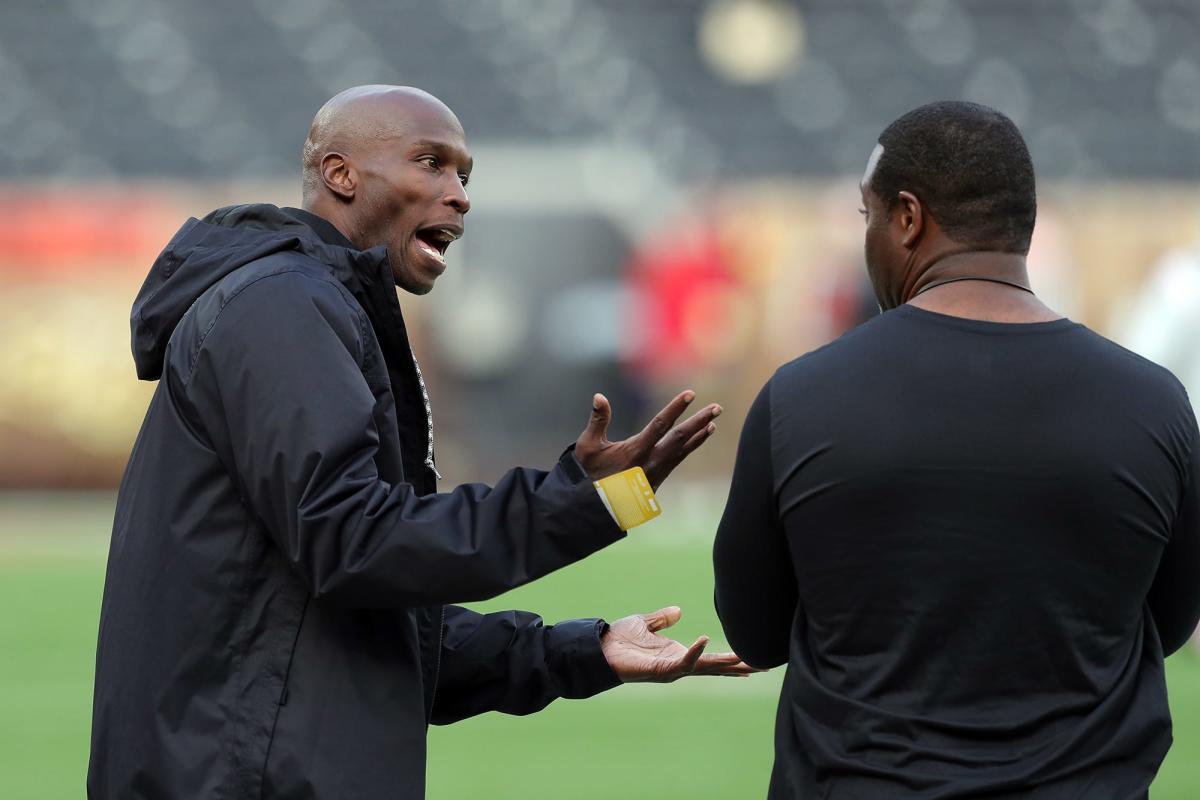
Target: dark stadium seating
{"x": 224, "y": 88}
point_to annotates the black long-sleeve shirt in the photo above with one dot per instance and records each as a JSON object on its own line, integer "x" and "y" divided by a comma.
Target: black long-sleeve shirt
{"x": 972, "y": 544}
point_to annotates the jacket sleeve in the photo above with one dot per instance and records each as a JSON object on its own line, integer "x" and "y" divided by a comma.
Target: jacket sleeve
{"x": 756, "y": 595}
{"x": 510, "y": 662}
{"x": 278, "y": 384}
{"x": 1174, "y": 596}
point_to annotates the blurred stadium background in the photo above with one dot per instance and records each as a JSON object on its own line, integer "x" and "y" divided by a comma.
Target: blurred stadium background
{"x": 665, "y": 195}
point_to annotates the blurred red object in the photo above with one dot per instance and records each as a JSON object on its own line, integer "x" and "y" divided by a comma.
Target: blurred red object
{"x": 59, "y": 233}
{"x": 688, "y": 308}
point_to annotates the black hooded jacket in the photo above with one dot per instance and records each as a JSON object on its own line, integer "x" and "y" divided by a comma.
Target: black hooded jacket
{"x": 275, "y": 619}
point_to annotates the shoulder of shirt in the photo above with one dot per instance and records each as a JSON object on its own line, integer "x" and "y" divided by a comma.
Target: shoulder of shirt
{"x": 1143, "y": 368}
{"x": 815, "y": 357}
{"x": 1148, "y": 370}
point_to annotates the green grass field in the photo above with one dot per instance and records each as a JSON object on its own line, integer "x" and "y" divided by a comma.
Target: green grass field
{"x": 699, "y": 738}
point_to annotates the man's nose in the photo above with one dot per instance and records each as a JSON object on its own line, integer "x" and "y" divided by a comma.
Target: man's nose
{"x": 457, "y": 198}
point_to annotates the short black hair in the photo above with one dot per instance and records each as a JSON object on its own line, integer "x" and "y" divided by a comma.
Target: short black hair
{"x": 969, "y": 166}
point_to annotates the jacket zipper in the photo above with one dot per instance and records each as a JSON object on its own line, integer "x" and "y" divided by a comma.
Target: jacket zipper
{"x": 428, "y": 416}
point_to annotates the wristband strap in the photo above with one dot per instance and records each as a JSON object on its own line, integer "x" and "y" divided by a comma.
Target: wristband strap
{"x": 629, "y": 498}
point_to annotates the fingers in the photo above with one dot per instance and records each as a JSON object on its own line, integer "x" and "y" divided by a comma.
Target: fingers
{"x": 597, "y": 426}
{"x": 681, "y": 442}
{"x": 663, "y": 420}
{"x": 698, "y": 438}
{"x": 663, "y": 618}
{"x": 692, "y": 657}
{"x": 727, "y": 664}
{"x": 697, "y": 423}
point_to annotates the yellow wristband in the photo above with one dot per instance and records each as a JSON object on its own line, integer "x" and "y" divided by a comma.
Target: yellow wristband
{"x": 629, "y": 498}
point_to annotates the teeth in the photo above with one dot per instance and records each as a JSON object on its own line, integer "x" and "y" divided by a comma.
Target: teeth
{"x": 431, "y": 251}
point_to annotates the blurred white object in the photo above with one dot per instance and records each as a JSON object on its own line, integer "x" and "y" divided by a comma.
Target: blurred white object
{"x": 1165, "y": 323}
{"x": 751, "y": 41}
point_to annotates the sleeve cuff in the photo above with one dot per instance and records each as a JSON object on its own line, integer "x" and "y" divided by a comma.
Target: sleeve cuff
{"x": 586, "y": 488}
{"x": 579, "y": 667}
{"x": 572, "y": 466}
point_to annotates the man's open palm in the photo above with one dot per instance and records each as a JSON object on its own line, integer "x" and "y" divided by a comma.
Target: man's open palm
{"x": 658, "y": 449}
{"x": 636, "y": 652}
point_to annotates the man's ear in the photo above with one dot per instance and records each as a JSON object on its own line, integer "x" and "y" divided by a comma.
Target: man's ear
{"x": 910, "y": 216}
{"x": 339, "y": 176}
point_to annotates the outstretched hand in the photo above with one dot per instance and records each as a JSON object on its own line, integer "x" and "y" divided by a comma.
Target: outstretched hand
{"x": 636, "y": 652}
{"x": 658, "y": 449}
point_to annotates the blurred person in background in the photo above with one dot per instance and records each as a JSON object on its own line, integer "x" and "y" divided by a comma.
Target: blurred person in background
{"x": 970, "y": 527}
{"x": 277, "y": 617}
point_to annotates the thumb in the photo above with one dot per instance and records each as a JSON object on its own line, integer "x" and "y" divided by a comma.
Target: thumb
{"x": 692, "y": 657}
{"x": 597, "y": 427}
{"x": 663, "y": 618}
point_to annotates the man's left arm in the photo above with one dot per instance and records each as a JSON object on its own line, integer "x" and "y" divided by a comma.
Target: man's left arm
{"x": 509, "y": 661}
{"x": 1174, "y": 597}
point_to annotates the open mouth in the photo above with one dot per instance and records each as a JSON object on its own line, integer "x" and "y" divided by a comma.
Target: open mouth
{"x": 434, "y": 240}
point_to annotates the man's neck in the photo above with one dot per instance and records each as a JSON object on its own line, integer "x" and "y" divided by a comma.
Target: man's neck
{"x": 979, "y": 285}
{"x": 332, "y": 221}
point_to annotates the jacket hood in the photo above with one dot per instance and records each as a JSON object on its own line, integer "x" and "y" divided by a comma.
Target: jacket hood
{"x": 204, "y": 251}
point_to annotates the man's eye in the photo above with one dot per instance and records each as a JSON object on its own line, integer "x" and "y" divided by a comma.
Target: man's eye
{"x": 464, "y": 179}
{"x": 863, "y": 211}
{"x": 430, "y": 161}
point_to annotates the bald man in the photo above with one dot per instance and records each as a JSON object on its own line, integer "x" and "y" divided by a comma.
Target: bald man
{"x": 278, "y": 615}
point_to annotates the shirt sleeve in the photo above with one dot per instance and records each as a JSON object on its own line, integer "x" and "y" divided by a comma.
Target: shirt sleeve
{"x": 1175, "y": 594}
{"x": 510, "y": 662}
{"x": 279, "y": 388}
{"x": 756, "y": 595}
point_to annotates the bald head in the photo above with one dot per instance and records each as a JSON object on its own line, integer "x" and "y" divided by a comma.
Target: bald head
{"x": 363, "y": 117}
{"x": 388, "y": 165}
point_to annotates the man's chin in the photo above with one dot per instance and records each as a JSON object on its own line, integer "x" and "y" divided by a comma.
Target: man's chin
{"x": 412, "y": 287}
{"x": 413, "y": 283}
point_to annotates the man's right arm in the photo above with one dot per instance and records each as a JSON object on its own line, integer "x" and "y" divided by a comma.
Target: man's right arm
{"x": 756, "y": 594}
{"x": 1175, "y": 594}
{"x": 277, "y": 385}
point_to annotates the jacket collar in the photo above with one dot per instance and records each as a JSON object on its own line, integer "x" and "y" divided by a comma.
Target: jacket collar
{"x": 367, "y": 274}
{"x": 325, "y": 229}
{"x": 372, "y": 283}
